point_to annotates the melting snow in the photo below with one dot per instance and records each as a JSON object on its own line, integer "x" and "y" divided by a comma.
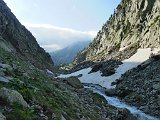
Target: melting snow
{"x": 96, "y": 78}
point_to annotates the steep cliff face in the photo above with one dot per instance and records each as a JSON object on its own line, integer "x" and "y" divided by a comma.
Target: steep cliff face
{"x": 134, "y": 24}
{"x": 15, "y": 38}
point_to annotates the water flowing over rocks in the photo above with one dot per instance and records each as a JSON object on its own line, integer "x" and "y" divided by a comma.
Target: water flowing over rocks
{"x": 141, "y": 87}
{"x": 127, "y": 110}
{"x": 134, "y": 27}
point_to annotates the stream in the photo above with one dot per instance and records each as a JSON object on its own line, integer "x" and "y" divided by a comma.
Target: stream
{"x": 118, "y": 104}
{"x": 94, "y": 81}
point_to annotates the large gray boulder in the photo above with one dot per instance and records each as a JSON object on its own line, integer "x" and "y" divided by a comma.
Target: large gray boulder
{"x": 110, "y": 92}
{"x": 12, "y": 96}
{"x": 124, "y": 114}
{"x": 74, "y": 82}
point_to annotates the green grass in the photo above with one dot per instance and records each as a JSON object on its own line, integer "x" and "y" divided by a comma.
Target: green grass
{"x": 38, "y": 88}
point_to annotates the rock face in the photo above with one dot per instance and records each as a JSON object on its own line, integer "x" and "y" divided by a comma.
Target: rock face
{"x": 15, "y": 38}
{"x": 74, "y": 82}
{"x": 12, "y": 96}
{"x": 135, "y": 23}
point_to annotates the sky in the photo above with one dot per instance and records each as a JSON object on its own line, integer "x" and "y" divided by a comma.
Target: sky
{"x": 58, "y": 23}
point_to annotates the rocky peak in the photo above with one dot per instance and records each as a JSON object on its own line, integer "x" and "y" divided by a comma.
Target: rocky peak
{"x": 134, "y": 23}
{"x": 15, "y": 38}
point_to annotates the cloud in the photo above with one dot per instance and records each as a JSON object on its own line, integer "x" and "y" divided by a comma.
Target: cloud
{"x": 51, "y": 48}
{"x": 53, "y": 37}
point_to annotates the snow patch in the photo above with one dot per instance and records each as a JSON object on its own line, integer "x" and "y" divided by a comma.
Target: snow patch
{"x": 96, "y": 78}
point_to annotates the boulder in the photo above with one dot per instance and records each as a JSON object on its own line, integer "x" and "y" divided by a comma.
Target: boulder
{"x": 2, "y": 117}
{"x": 155, "y": 56}
{"x": 110, "y": 92}
{"x": 124, "y": 93}
{"x": 80, "y": 75}
{"x": 124, "y": 114}
{"x": 108, "y": 72}
{"x": 74, "y": 82}
{"x": 96, "y": 68}
{"x": 12, "y": 96}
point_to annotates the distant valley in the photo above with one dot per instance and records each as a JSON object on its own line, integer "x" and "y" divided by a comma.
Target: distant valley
{"x": 67, "y": 54}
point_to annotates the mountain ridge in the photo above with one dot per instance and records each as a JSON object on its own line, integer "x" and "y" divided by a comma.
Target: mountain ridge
{"x": 134, "y": 23}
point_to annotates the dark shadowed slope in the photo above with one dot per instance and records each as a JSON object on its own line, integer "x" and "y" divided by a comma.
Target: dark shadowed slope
{"x": 15, "y": 38}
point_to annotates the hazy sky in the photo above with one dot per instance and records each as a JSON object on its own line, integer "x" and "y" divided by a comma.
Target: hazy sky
{"x": 57, "y": 23}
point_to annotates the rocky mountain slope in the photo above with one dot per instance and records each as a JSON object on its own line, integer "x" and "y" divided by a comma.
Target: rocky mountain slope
{"x": 134, "y": 24}
{"x": 141, "y": 86}
{"x": 15, "y": 38}
{"x": 28, "y": 93}
{"x": 67, "y": 54}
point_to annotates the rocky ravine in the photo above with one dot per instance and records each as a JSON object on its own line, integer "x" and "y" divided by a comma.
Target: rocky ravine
{"x": 138, "y": 86}
{"x": 135, "y": 24}
{"x": 29, "y": 92}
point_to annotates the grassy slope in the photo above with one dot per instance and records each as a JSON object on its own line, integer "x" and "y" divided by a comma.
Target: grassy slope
{"x": 54, "y": 96}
